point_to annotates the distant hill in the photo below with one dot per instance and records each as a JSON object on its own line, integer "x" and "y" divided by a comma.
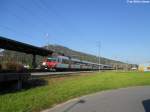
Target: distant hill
{"x": 76, "y": 54}
{"x": 58, "y": 49}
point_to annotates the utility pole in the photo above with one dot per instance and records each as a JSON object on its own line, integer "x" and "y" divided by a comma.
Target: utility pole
{"x": 99, "y": 55}
{"x": 116, "y": 63}
{"x": 47, "y": 39}
{"x": 127, "y": 63}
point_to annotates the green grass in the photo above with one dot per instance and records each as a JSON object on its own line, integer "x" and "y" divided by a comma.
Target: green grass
{"x": 62, "y": 89}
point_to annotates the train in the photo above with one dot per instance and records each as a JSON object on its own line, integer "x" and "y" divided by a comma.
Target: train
{"x": 64, "y": 63}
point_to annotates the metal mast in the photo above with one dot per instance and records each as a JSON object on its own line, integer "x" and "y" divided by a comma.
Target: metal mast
{"x": 99, "y": 55}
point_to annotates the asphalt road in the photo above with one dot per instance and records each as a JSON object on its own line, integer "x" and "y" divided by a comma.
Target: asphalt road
{"x": 133, "y": 99}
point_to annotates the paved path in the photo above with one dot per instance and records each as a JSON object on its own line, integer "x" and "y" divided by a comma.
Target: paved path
{"x": 133, "y": 99}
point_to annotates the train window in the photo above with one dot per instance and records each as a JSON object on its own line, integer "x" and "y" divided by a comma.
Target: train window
{"x": 59, "y": 60}
{"x": 51, "y": 59}
{"x": 65, "y": 61}
{"x": 72, "y": 62}
{"x": 78, "y": 63}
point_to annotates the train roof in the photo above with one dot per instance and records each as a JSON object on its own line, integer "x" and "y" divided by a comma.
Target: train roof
{"x": 107, "y": 65}
{"x": 87, "y": 62}
{"x": 63, "y": 57}
{"x": 74, "y": 59}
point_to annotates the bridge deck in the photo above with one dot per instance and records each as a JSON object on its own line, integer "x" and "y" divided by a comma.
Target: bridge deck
{"x": 4, "y": 77}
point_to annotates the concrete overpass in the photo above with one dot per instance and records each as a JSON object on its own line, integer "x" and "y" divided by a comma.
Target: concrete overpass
{"x": 9, "y": 44}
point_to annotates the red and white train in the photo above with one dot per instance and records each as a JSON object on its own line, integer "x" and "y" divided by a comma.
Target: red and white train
{"x": 62, "y": 63}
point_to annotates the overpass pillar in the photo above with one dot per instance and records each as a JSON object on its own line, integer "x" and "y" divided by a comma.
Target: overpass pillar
{"x": 34, "y": 61}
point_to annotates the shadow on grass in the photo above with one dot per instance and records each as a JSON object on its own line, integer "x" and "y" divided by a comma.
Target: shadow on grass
{"x": 146, "y": 104}
{"x": 8, "y": 87}
{"x": 34, "y": 83}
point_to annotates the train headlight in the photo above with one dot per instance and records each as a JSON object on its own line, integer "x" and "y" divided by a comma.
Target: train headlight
{"x": 44, "y": 63}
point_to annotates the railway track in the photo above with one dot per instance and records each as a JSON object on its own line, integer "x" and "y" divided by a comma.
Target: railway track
{"x": 45, "y": 74}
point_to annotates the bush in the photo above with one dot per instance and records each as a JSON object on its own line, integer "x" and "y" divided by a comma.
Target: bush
{"x": 12, "y": 66}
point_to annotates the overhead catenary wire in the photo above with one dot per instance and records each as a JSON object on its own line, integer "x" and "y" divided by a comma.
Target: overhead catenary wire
{"x": 41, "y": 4}
{"x": 23, "y": 21}
{"x": 63, "y": 20}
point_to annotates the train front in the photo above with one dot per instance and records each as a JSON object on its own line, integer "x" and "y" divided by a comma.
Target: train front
{"x": 49, "y": 63}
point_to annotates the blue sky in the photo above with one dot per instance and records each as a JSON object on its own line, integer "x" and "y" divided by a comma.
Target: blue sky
{"x": 122, "y": 28}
